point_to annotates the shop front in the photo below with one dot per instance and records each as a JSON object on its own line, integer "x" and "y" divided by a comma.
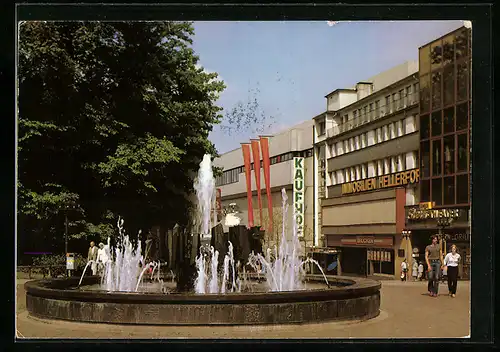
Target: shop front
{"x": 423, "y": 224}
{"x": 364, "y": 255}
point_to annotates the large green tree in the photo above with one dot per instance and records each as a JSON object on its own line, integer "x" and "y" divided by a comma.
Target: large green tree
{"x": 113, "y": 120}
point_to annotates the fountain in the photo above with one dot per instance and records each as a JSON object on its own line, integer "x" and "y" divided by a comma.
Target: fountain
{"x": 223, "y": 292}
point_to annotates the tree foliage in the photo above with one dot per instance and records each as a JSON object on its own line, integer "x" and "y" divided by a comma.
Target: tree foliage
{"x": 113, "y": 120}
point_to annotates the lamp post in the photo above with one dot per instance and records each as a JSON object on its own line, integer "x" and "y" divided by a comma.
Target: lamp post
{"x": 442, "y": 223}
{"x": 406, "y": 234}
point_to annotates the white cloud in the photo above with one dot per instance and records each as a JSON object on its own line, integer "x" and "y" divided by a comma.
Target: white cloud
{"x": 467, "y": 24}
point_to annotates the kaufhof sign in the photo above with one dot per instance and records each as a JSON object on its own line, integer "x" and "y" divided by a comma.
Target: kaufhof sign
{"x": 298, "y": 194}
{"x": 402, "y": 178}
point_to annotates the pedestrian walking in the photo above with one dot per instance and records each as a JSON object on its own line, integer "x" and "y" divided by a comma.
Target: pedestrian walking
{"x": 414, "y": 271}
{"x": 433, "y": 257}
{"x": 451, "y": 262}
{"x": 92, "y": 256}
{"x": 404, "y": 270}
{"x": 420, "y": 271}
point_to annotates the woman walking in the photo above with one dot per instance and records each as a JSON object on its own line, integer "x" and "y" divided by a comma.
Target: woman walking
{"x": 451, "y": 262}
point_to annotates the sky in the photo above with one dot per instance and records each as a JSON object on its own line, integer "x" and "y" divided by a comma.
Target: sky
{"x": 285, "y": 68}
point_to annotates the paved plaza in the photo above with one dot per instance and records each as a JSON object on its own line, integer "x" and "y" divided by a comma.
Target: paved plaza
{"x": 406, "y": 312}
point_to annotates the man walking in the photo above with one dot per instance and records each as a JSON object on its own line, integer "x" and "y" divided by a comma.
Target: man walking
{"x": 92, "y": 255}
{"x": 433, "y": 257}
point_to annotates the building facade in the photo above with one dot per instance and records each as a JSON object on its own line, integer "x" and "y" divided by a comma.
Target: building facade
{"x": 445, "y": 143}
{"x": 366, "y": 152}
{"x": 285, "y": 170}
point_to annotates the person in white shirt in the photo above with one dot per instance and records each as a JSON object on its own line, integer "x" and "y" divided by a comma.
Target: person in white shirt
{"x": 420, "y": 271}
{"x": 451, "y": 262}
{"x": 102, "y": 257}
{"x": 404, "y": 270}
{"x": 414, "y": 270}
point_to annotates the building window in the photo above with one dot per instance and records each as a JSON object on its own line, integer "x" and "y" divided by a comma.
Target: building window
{"x": 462, "y": 151}
{"x": 437, "y": 190}
{"x": 340, "y": 149}
{"x": 355, "y": 114}
{"x": 408, "y": 95}
{"x": 394, "y": 164}
{"x": 333, "y": 152}
{"x": 392, "y": 130}
{"x": 385, "y": 133}
{"x": 356, "y": 143}
{"x": 424, "y": 55}
{"x": 425, "y": 93}
{"x": 333, "y": 177}
{"x": 363, "y": 140}
{"x": 358, "y": 173}
{"x": 340, "y": 176}
{"x": 399, "y": 128}
{"x": 461, "y": 44}
{"x": 425, "y": 190}
{"x": 346, "y": 146}
{"x": 424, "y": 127}
{"x": 449, "y": 190}
{"x": 351, "y": 144}
{"x": 387, "y": 104}
{"x": 387, "y": 166}
{"x": 436, "y": 157}
{"x": 462, "y": 189}
{"x": 448, "y": 85}
{"x": 449, "y": 154}
{"x": 449, "y": 120}
{"x": 322, "y": 128}
{"x": 436, "y": 124}
{"x": 425, "y": 158}
{"x": 436, "y": 89}
{"x": 377, "y": 108}
{"x": 462, "y": 117}
{"x": 415, "y": 88}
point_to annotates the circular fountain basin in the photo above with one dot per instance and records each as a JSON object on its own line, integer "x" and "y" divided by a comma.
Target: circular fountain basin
{"x": 346, "y": 299}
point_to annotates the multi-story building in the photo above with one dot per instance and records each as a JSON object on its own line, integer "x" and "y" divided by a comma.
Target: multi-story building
{"x": 366, "y": 158}
{"x": 445, "y": 109}
{"x": 295, "y": 142}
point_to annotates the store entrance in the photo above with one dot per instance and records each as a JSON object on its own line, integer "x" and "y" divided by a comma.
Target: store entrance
{"x": 353, "y": 261}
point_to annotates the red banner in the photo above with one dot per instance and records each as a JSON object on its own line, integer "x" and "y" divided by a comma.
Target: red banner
{"x": 256, "y": 168}
{"x": 264, "y": 146}
{"x": 248, "y": 173}
{"x": 218, "y": 203}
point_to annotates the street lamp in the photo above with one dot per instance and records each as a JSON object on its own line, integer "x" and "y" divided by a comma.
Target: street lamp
{"x": 406, "y": 234}
{"x": 442, "y": 223}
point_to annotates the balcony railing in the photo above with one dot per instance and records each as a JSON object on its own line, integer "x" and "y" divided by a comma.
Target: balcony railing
{"x": 405, "y": 102}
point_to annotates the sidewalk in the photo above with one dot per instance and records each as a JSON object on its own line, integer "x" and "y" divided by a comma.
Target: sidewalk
{"x": 406, "y": 312}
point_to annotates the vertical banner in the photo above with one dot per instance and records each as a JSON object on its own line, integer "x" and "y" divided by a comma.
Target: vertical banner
{"x": 256, "y": 168}
{"x": 264, "y": 146}
{"x": 248, "y": 173}
{"x": 218, "y": 203}
{"x": 298, "y": 194}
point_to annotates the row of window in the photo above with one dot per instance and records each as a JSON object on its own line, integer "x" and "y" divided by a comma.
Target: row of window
{"x": 445, "y": 156}
{"x": 454, "y": 47}
{"x": 450, "y": 120}
{"x": 379, "y": 135}
{"x": 445, "y": 71}
{"x": 375, "y": 168}
{"x": 232, "y": 176}
{"x": 446, "y": 190}
{"x": 392, "y": 102}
